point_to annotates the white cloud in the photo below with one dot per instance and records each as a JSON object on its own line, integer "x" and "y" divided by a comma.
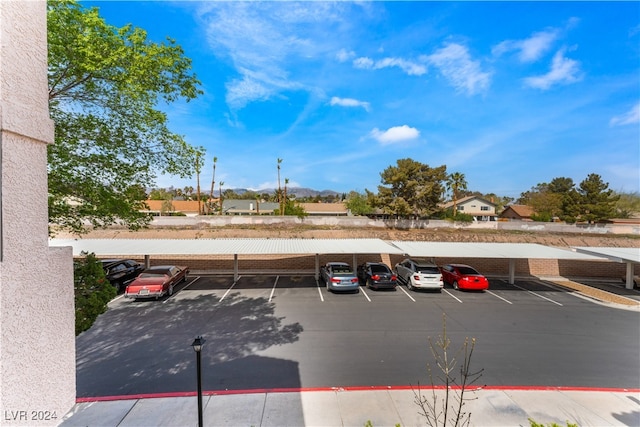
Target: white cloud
{"x": 530, "y": 49}
{"x": 262, "y": 40}
{"x": 409, "y": 67}
{"x": 395, "y": 134}
{"x": 349, "y": 102}
{"x": 630, "y": 117}
{"x": 563, "y": 71}
{"x": 344, "y": 55}
{"x": 456, "y": 65}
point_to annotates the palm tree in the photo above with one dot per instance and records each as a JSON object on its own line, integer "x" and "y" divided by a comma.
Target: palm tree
{"x": 279, "y": 189}
{"x": 284, "y": 203}
{"x": 213, "y": 180}
{"x": 456, "y": 183}
{"x": 221, "y": 184}
{"x": 199, "y": 164}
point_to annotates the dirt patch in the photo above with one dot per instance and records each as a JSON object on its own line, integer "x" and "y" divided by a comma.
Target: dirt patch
{"x": 285, "y": 231}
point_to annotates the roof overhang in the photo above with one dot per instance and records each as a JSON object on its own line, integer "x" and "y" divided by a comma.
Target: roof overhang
{"x": 612, "y": 253}
{"x": 490, "y": 250}
{"x": 140, "y": 247}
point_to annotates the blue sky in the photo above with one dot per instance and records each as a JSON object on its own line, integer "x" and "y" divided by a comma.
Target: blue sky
{"x": 510, "y": 94}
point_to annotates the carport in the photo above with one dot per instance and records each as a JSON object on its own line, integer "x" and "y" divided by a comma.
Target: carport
{"x": 149, "y": 247}
{"x": 630, "y": 256}
{"x": 510, "y": 251}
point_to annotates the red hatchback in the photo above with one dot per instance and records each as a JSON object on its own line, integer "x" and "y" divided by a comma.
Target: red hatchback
{"x": 462, "y": 276}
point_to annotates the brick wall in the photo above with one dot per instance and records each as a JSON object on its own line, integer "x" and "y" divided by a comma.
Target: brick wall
{"x": 488, "y": 266}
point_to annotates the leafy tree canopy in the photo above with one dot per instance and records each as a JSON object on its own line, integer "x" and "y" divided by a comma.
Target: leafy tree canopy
{"x": 411, "y": 188}
{"x": 358, "y": 203}
{"x": 111, "y": 141}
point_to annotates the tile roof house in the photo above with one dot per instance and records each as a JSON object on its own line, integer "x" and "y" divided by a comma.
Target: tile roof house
{"x": 166, "y": 207}
{"x": 517, "y": 213}
{"x": 479, "y": 208}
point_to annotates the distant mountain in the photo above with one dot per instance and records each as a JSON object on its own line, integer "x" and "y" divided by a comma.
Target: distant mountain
{"x": 297, "y": 191}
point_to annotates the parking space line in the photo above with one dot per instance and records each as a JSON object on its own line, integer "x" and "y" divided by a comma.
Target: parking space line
{"x": 229, "y": 290}
{"x": 452, "y": 296}
{"x": 538, "y": 295}
{"x": 365, "y": 294}
{"x": 274, "y": 288}
{"x": 406, "y": 293}
{"x": 176, "y": 292}
{"x": 319, "y": 290}
{"x": 498, "y": 296}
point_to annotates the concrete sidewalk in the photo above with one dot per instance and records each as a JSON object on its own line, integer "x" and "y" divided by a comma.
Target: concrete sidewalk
{"x": 382, "y": 407}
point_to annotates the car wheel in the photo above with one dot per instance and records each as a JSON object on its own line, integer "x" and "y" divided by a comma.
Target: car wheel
{"x": 368, "y": 284}
{"x": 409, "y": 285}
{"x": 170, "y": 290}
{"x": 455, "y": 285}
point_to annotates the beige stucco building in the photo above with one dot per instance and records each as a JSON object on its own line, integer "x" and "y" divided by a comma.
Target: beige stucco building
{"x": 37, "y": 340}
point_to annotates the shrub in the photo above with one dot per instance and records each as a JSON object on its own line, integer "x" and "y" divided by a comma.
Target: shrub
{"x": 92, "y": 291}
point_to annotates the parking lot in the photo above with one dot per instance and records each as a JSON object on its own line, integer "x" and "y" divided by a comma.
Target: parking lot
{"x": 288, "y": 331}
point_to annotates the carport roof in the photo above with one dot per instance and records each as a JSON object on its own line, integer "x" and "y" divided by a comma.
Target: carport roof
{"x": 140, "y": 247}
{"x": 489, "y": 250}
{"x": 614, "y": 254}
{"x": 111, "y": 247}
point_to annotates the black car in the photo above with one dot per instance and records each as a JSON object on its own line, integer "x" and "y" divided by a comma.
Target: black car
{"x": 377, "y": 275}
{"x": 120, "y": 272}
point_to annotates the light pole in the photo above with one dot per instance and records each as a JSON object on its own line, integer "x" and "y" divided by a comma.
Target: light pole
{"x": 197, "y": 346}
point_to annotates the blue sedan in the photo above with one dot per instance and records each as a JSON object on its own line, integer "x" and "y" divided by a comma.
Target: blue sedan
{"x": 339, "y": 276}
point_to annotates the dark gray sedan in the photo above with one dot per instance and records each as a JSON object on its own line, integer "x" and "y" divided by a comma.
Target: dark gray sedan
{"x": 377, "y": 275}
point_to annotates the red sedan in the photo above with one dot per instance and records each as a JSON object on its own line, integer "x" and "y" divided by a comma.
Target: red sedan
{"x": 464, "y": 277}
{"x": 156, "y": 282}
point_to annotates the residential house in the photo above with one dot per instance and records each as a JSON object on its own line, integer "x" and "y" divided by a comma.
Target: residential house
{"x": 517, "y": 213}
{"x": 479, "y": 208}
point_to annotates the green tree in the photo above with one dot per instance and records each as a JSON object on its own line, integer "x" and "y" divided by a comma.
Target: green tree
{"x": 92, "y": 291}
{"x": 358, "y": 203}
{"x": 595, "y": 200}
{"x": 411, "y": 188}
{"x": 160, "y": 194}
{"x": 628, "y": 204}
{"x": 456, "y": 183}
{"x": 111, "y": 140}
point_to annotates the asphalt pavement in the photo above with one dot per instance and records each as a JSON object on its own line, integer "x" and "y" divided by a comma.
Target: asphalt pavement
{"x": 357, "y": 406}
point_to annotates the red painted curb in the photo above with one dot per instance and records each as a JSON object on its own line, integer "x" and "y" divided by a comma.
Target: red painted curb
{"x": 340, "y": 389}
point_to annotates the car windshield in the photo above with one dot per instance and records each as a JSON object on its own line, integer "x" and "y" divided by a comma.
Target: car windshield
{"x": 467, "y": 270}
{"x": 342, "y": 271}
{"x": 379, "y": 269}
{"x": 425, "y": 269}
{"x": 148, "y": 275}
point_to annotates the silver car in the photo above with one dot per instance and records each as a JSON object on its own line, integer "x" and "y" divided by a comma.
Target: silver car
{"x": 419, "y": 274}
{"x": 339, "y": 276}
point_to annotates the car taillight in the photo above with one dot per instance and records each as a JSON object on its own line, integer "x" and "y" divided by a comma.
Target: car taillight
{"x": 394, "y": 277}
{"x": 354, "y": 280}
{"x": 335, "y": 280}
{"x": 375, "y": 277}
{"x": 440, "y": 279}
{"x": 416, "y": 277}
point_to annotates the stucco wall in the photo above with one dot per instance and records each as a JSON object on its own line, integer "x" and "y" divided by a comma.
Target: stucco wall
{"x": 37, "y": 342}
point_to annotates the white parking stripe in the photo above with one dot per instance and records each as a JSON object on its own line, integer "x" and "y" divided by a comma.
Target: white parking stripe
{"x": 175, "y": 292}
{"x": 319, "y": 290}
{"x": 365, "y": 294}
{"x": 498, "y": 296}
{"x": 274, "y": 288}
{"x": 406, "y": 293}
{"x": 229, "y": 290}
{"x": 452, "y": 295}
{"x": 538, "y": 295}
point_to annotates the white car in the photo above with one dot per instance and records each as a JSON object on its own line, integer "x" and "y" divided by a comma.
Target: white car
{"x": 419, "y": 274}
